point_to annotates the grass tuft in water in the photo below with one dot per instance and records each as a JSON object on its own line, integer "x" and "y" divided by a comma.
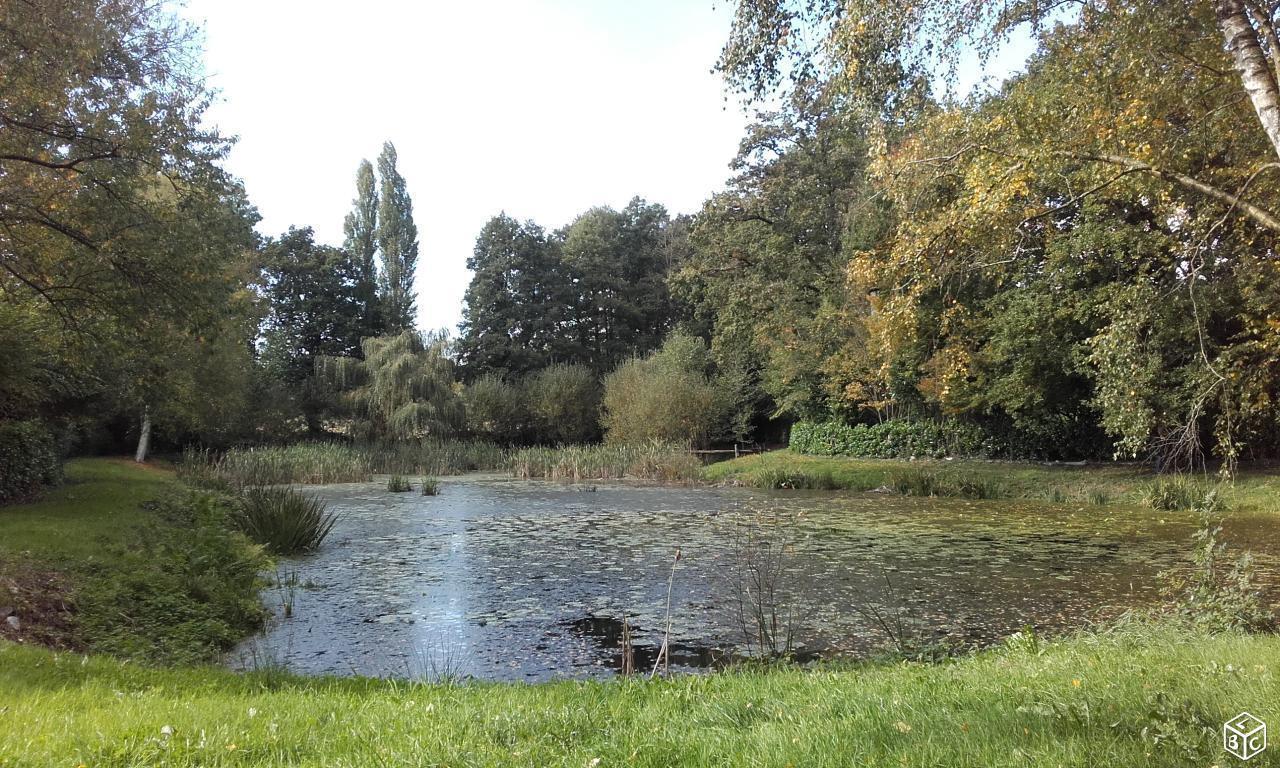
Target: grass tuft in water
{"x": 399, "y": 484}
{"x": 1174, "y": 493}
{"x": 430, "y": 486}
{"x": 283, "y": 520}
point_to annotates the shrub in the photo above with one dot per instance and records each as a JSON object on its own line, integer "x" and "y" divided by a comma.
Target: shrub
{"x": 284, "y": 520}
{"x": 496, "y": 409}
{"x": 430, "y": 486}
{"x": 564, "y": 404}
{"x": 671, "y": 396}
{"x": 399, "y": 484}
{"x": 28, "y": 460}
{"x": 182, "y": 592}
{"x": 1214, "y": 593}
{"x": 896, "y": 439}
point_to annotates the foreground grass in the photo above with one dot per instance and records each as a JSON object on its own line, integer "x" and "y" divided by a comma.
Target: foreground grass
{"x": 1253, "y": 491}
{"x": 1151, "y": 696}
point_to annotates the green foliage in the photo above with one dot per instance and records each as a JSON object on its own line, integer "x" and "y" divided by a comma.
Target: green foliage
{"x": 29, "y": 460}
{"x": 800, "y": 477}
{"x": 649, "y": 461}
{"x": 496, "y": 409}
{"x": 896, "y": 439}
{"x": 284, "y": 520}
{"x": 670, "y": 396}
{"x": 398, "y": 245}
{"x": 430, "y": 486}
{"x": 182, "y": 591}
{"x": 360, "y": 229}
{"x": 1175, "y": 492}
{"x": 564, "y": 403}
{"x": 403, "y": 389}
{"x": 923, "y": 482}
{"x": 321, "y": 463}
{"x": 591, "y": 294}
{"x": 1216, "y": 593}
{"x": 399, "y": 484}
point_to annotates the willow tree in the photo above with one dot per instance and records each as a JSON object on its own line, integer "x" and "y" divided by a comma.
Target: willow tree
{"x": 403, "y": 389}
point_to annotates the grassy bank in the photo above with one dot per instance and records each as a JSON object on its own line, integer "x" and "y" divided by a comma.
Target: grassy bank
{"x": 1148, "y": 696}
{"x": 1253, "y": 491}
{"x": 122, "y": 559}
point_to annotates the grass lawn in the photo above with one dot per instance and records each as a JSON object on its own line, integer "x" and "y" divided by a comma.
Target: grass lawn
{"x": 1253, "y": 490}
{"x": 1135, "y": 697}
{"x": 100, "y": 500}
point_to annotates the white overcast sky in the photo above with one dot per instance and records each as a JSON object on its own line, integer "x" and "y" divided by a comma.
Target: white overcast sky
{"x": 540, "y": 108}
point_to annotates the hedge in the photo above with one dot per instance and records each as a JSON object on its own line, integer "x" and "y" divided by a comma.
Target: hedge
{"x": 896, "y": 439}
{"x": 28, "y": 460}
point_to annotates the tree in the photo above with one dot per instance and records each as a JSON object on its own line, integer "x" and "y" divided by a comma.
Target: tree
{"x": 517, "y": 303}
{"x": 403, "y": 389}
{"x": 361, "y": 230}
{"x": 397, "y": 237}
{"x": 564, "y": 403}
{"x": 117, "y": 225}
{"x": 314, "y": 309}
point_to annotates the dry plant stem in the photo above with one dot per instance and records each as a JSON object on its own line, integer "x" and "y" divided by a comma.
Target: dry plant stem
{"x": 664, "y": 653}
{"x": 628, "y": 653}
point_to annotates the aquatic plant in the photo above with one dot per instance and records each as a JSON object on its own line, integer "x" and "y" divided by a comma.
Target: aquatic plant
{"x": 430, "y": 486}
{"x": 649, "y": 461}
{"x": 800, "y": 477}
{"x": 928, "y": 483}
{"x": 334, "y": 462}
{"x": 399, "y": 484}
{"x": 1173, "y": 493}
{"x": 284, "y": 520}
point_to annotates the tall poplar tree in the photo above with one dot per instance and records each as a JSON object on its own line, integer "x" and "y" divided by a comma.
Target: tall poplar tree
{"x": 361, "y": 228}
{"x": 398, "y": 243}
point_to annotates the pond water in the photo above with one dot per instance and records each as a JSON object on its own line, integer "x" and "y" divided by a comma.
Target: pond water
{"x": 517, "y": 580}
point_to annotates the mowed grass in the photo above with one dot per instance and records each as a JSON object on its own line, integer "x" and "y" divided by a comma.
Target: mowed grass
{"x": 100, "y": 500}
{"x": 1151, "y": 696}
{"x": 1253, "y": 491}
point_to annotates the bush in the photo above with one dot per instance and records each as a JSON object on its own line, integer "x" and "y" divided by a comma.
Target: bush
{"x": 184, "y": 592}
{"x": 564, "y": 404}
{"x": 496, "y": 409}
{"x": 896, "y": 439}
{"x": 28, "y": 460}
{"x": 284, "y": 520}
{"x": 669, "y": 396}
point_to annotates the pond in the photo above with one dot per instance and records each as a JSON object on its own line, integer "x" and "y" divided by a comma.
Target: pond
{"x": 516, "y": 580}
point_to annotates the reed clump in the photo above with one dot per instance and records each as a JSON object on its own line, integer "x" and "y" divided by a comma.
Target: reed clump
{"x": 664, "y": 462}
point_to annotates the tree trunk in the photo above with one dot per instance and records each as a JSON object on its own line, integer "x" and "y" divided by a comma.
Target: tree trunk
{"x": 1251, "y": 63}
{"x": 144, "y": 436}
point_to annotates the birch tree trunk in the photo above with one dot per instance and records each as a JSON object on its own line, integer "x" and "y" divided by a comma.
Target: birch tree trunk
{"x": 1250, "y": 61}
{"x": 144, "y": 436}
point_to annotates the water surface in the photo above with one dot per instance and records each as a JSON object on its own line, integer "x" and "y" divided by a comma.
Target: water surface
{"x": 519, "y": 580}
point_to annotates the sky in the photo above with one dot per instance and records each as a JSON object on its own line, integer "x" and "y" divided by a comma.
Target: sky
{"x": 539, "y": 108}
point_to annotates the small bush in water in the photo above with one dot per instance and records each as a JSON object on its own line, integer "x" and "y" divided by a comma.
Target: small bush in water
{"x": 284, "y": 520}
{"x": 399, "y": 484}
{"x": 1172, "y": 493}
{"x": 430, "y": 486}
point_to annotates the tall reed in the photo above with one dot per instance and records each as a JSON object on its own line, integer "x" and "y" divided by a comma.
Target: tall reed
{"x": 665, "y": 462}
